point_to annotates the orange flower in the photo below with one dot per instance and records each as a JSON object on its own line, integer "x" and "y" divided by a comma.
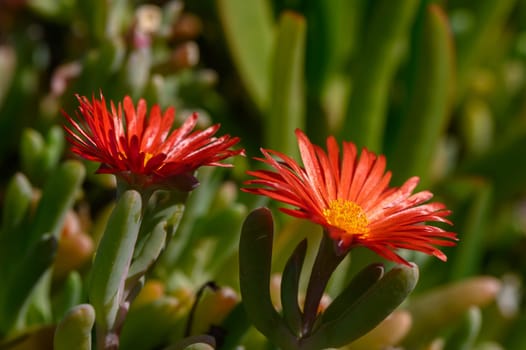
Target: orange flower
{"x": 143, "y": 150}
{"x": 351, "y": 198}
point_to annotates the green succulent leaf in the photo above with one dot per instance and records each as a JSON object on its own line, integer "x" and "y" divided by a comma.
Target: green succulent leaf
{"x": 290, "y": 287}
{"x": 287, "y": 89}
{"x": 465, "y": 335}
{"x": 17, "y": 200}
{"x": 69, "y": 296}
{"x": 367, "y": 311}
{"x": 441, "y": 307}
{"x": 332, "y": 35}
{"x": 359, "y": 285}
{"x": 149, "y": 252}
{"x": 147, "y": 326}
{"x": 236, "y": 325}
{"x": 197, "y": 342}
{"x": 57, "y": 198}
{"x": 249, "y": 31}
{"x": 489, "y": 16}
{"x": 113, "y": 257}
{"x": 24, "y": 278}
{"x": 428, "y": 109}
{"x": 473, "y": 221}
{"x": 375, "y": 68}
{"x": 32, "y": 146}
{"x": 74, "y": 330}
{"x": 230, "y": 219}
{"x": 255, "y": 255}
{"x": 54, "y": 147}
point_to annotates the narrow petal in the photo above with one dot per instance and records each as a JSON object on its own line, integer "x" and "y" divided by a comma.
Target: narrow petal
{"x": 140, "y": 147}
{"x": 347, "y": 169}
{"x": 351, "y": 198}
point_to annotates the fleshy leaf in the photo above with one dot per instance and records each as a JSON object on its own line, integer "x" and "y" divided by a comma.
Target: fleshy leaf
{"x": 367, "y": 311}
{"x": 54, "y": 147}
{"x": 440, "y": 307}
{"x": 154, "y": 244}
{"x": 430, "y": 99}
{"x": 32, "y": 146}
{"x": 40, "y": 156}
{"x": 232, "y": 219}
{"x": 17, "y": 200}
{"x": 386, "y": 335}
{"x": 197, "y": 342}
{"x": 24, "y": 278}
{"x": 255, "y": 254}
{"x": 490, "y": 16}
{"x": 236, "y": 326}
{"x": 375, "y": 68}
{"x": 287, "y": 95}
{"x": 113, "y": 257}
{"x": 57, "y": 197}
{"x": 69, "y": 295}
{"x": 464, "y": 337}
{"x": 474, "y": 222}
{"x": 74, "y": 331}
{"x": 290, "y": 287}
{"x": 249, "y": 32}
{"x": 359, "y": 285}
{"x": 147, "y": 326}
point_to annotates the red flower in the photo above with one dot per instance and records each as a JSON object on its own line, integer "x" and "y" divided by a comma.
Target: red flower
{"x": 351, "y": 198}
{"x": 144, "y": 150}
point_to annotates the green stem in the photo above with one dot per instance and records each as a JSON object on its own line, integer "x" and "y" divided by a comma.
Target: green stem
{"x": 326, "y": 262}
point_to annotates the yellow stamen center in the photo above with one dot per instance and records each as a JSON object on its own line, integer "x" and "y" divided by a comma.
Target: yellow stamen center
{"x": 147, "y": 157}
{"x": 347, "y": 216}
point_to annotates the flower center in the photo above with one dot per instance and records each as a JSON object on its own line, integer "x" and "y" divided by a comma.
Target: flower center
{"x": 147, "y": 157}
{"x": 347, "y": 216}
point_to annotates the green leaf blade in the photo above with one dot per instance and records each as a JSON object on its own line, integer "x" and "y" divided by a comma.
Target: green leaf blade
{"x": 375, "y": 68}
{"x": 429, "y": 100}
{"x": 359, "y": 285}
{"x": 57, "y": 197}
{"x": 113, "y": 258}
{"x": 255, "y": 253}
{"x": 24, "y": 278}
{"x": 287, "y": 94}
{"x": 290, "y": 287}
{"x": 74, "y": 331}
{"x": 369, "y": 310}
{"x": 249, "y": 31}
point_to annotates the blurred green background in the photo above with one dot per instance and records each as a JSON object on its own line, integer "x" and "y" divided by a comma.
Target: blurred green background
{"x": 439, "y": 87}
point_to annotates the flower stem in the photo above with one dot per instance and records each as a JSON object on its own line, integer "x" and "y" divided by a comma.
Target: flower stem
{"x": 107, "y": 340}
{"x": 326, "y": 262}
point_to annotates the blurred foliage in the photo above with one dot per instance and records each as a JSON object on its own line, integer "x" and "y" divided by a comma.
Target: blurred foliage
{"x": 437, "y": 86}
